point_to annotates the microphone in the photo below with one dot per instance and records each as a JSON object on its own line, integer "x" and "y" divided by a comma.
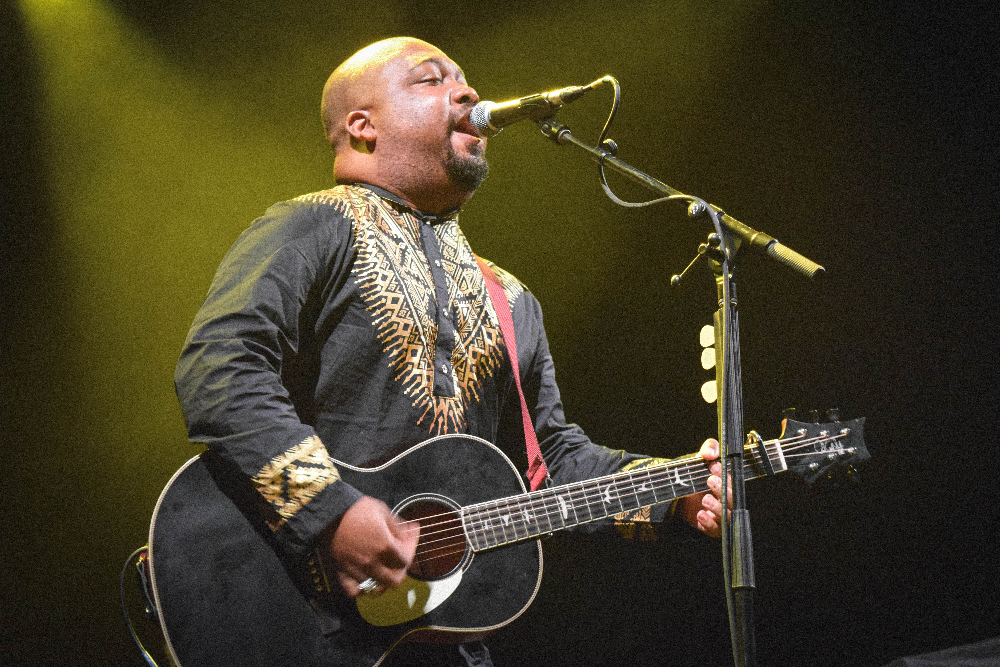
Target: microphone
{"x": 491, "y": 117}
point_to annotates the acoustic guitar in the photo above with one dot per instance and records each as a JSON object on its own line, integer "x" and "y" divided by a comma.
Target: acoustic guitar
{"x": 225, "y": 594}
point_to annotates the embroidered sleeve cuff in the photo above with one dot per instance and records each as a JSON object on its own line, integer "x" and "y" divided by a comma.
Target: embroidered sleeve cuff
{"x": 304, "y": 489}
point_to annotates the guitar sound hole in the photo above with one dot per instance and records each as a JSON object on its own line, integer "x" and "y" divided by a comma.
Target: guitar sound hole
{"x": 441, "y": 547}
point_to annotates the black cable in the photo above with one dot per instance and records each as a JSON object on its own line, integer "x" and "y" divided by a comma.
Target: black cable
{"x": 128, "y": 619}
{"x": 611, "y": 149}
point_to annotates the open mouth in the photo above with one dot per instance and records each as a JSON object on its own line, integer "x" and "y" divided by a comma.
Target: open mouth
{"x": 465, "y": 126}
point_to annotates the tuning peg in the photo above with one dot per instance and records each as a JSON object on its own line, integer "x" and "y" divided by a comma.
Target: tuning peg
{"x": 788, "y": 413}
{"x": 833, "y": 415}
{"x": 814, "y": 416}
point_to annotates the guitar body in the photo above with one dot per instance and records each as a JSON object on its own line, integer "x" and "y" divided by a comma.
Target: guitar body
{"x": 225, "y": 595}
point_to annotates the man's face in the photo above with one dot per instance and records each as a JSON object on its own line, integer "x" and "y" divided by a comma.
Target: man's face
{"x": 423, "y": 120}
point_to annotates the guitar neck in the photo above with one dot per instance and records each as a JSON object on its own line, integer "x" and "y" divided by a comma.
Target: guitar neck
{"x": 530, "y": 515}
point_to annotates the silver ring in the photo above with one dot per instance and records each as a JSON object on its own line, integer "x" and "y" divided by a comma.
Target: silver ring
{"x": 367, "y": 585}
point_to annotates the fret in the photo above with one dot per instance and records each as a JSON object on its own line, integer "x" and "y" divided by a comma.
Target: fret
{"x": 470, "y": 533}
{"x": 625, "y": 491}
{"x": 543, "y": 513}
{"x": 607, "y": 498}
{"x": 519, "y": 519}
{"x": 529, "y": 515}
{"x": 504, "y": 518}
{"x": 578, "y": 500}
{"x": 533, "y": 512}
{"x": 589, "y": 500}
{"x": 564, "y": 505}
{"x": 644, "y": 488}
{"x": 680, "y": 481}
{"x": 491, "y": 523}
{"x": 501, "y": 519}
{"x": 520, "y": 527}
{"x": 554, "y": 512}
{"x": 473, "y": 528}
{"x": 483, "y": 528}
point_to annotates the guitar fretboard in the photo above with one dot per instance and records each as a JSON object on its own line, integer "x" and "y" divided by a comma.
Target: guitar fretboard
{"x": 515, "y": 518}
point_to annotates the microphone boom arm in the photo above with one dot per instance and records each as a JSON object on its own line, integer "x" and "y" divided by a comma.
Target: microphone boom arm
{"x": 561, "y": 134}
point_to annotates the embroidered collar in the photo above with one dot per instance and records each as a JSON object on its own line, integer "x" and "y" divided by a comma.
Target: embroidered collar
{"x": 423, "y": 217}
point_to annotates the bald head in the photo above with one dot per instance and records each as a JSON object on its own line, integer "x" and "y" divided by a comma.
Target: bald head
{"x": 354, "y": 84}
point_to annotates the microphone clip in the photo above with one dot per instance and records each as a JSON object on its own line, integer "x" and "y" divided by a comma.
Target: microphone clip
{"x": 712, "y": 249}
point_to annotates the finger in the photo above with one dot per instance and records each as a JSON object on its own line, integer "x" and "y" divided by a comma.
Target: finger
{"x": 708, "y": 524}
{"x": 352, "y": 571}
{"x": 715, "y": 486}
{"x": 709, "y": 449}
{"x": 371, "y": 587}
{"x": 712, "y": 504}
{"x": 386, "y": 575}
{"x": 407, "y": 534}
{"x": 394, "y": 559}
{"x": 349, "y": 584}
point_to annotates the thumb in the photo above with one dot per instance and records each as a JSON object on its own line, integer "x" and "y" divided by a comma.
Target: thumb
{"x": 407, "y": 533}
{"x": 710, "y": 449}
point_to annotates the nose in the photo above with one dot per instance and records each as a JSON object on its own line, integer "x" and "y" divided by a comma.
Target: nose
{"x": 464, "y": 95}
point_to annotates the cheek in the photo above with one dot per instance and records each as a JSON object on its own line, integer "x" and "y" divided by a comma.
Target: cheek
{"x": 424, "y": 115}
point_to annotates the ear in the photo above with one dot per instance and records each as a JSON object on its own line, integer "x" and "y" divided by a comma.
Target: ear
{"x": 361, "y": 131}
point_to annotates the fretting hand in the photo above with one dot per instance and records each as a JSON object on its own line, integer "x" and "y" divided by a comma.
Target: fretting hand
{"x": 704, "y": 510}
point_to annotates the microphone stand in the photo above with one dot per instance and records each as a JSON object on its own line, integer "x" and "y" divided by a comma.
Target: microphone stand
{"x": 721, "y": 249}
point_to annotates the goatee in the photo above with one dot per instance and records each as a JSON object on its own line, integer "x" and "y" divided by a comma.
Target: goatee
{"x": 466, "y": 172}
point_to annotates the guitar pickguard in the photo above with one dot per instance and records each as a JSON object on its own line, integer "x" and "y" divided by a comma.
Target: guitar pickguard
{"x": 408, "y": 601}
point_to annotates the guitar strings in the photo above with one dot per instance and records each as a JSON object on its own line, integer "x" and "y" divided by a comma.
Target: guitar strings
{"x": 492, "y": 510}
{"x": 458, "y": 533}
{"x": 655, "y": 473}
{"x": 671, "y": 471}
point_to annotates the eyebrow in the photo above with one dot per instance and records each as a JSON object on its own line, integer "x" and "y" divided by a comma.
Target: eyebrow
{"x": 444, "y": 64}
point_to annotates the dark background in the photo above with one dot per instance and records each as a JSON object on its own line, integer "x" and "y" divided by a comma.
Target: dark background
{"x": 140, "y": 137}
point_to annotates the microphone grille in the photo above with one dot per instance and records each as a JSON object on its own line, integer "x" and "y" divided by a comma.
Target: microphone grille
{"x": 480, "y": 118}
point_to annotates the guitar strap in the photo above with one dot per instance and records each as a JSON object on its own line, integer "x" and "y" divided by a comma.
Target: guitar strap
{"x": 537, "y": 471}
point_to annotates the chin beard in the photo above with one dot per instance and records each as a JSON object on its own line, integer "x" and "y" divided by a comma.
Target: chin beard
{"x": 466, "y": 172}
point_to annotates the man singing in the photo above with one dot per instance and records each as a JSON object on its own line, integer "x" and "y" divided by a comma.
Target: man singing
{"x": 353, "y": 323}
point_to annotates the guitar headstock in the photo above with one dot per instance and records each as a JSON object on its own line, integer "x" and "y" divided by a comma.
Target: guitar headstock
{"x": 811, "y": 450}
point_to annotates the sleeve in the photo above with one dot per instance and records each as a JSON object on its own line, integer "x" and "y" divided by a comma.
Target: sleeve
{"x": 569, "y": 454}
{"x": 229, "y": 381}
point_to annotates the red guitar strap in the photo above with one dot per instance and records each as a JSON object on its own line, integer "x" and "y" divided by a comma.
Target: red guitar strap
{"x": 537, "y": 471}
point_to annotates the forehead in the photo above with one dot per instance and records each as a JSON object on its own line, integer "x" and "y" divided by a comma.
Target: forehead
{"x": 415, "y": 55}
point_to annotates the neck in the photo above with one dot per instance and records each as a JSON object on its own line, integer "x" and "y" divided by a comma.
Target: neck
{"x": 436, "y": 198}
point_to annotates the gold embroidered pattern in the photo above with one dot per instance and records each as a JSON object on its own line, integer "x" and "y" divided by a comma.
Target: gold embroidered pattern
{"x": 395, "y": 281}
{"x": 290, "y": 480}
{"x": 328, "y": 197}
{"x": 512, "y": 287}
